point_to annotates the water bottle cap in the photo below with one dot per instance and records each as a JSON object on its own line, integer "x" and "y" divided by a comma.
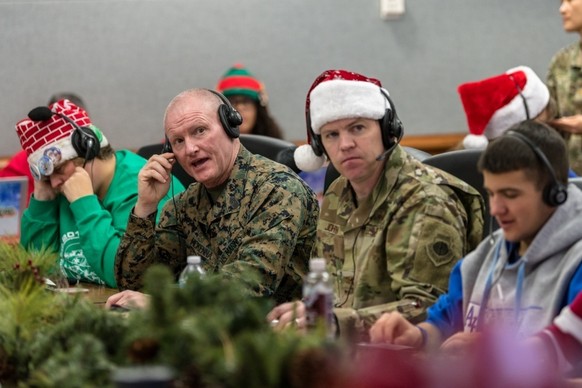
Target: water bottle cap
{"x": 317, "y": 265}
{"x": 193, "y": 260}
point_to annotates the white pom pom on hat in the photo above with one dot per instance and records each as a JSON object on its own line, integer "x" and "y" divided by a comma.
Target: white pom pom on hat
{"x": 475, "y": 142}
{"x": 306, "y": 160}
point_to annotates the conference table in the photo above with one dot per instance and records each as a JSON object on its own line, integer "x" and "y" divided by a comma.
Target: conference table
{"x": 98, "y": 294}
{"x": 95, "y": 293}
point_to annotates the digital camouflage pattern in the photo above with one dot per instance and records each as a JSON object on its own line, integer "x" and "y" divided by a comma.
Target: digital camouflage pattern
{"x": 403, "y": 241}
{"x": 564, "y": 81}
{"x": 263, "y": 223}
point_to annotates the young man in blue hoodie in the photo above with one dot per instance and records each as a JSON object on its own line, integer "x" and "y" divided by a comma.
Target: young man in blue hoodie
{"x": 524, "y": 273}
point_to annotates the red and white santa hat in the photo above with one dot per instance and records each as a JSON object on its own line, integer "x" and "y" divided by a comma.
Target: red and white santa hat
{"x": 336, "y": 95}
{"x": 494, "y": 104}
{"x": 48, "y": 142}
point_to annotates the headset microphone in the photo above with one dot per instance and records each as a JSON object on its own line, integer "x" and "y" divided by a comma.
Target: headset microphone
{"x": 41, "y": 113}
{"x": 385, "y": 154}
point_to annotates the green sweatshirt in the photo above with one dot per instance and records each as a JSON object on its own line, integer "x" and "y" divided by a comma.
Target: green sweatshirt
{"x": 87, "y": 232}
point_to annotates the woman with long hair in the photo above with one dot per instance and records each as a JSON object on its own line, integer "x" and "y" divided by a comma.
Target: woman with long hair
{"x": 247, "y": 94}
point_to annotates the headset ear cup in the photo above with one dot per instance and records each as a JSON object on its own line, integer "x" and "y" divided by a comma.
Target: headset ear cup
{"x": 390, "y": 124}
{"x": 391, "y": 128}
{"x": 396, "y": 125}
{"x": 386, "y": 127}
{"x": 555, "y": 194}
{"x": 316, "y": 145}
{"x": 230, "y": 120}
{"x": 167, "y": 146}
{"x": 234, "y": 117}
{"x": 85, "y": 143}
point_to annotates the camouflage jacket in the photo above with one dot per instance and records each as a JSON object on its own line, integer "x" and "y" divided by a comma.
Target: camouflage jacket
{"x": 403, "y": 241}
{"x": 564, "y": 81}
{"x": 262, "y": 224}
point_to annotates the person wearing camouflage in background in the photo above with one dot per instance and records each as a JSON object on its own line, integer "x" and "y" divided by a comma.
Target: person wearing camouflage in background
{"x": 564, "y": 81}
{"x": 245, "y": 213}
{"x": 390, "y": 227}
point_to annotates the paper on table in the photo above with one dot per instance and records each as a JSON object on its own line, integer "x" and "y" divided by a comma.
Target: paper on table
{"x": 71, "y": 290}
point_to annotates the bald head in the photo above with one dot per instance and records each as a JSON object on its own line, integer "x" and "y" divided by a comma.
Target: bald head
{"x": 198, "y": 96}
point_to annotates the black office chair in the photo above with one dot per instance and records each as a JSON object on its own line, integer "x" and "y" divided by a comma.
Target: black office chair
{"x": 275, "y": 149}
{"x": 266, "y": 146}
{"x": 463, "y": 165}
{"x": 418, "y": 154}
{"x": 331, "y": 174}
{"x": 152, "y": 149}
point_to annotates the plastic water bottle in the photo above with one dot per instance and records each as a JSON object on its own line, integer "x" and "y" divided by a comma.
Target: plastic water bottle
{"x": 318, "y": 298}
{"x": 193, "y": 266}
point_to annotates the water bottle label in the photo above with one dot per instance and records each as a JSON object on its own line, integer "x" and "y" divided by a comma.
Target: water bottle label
{"x": 318, "y": 307}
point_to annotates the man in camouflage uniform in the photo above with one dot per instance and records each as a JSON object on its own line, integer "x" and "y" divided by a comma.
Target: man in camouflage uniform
{"x": 390, "y": 227}
{"x": 564, "y": 81}
{"x": 245, "y": 213}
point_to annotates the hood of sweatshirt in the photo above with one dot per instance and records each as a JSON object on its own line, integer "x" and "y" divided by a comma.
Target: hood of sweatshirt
{"x": 562, "y": 230}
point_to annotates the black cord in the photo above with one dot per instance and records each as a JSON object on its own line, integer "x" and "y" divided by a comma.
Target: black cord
{"x": 178, "y": 220}
{"x": 523, "y": 99}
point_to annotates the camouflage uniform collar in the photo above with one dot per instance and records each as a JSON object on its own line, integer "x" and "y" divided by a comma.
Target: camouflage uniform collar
{"x": 234, "y": 189}
{"x": 354, "y": 216}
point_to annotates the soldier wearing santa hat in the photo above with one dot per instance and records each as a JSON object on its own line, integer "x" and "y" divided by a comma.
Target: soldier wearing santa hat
{"x": 390, "y": 228}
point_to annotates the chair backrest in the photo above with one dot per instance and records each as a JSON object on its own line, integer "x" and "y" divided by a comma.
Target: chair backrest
{"x": 332, "y": 174}
{"x": 267, "y": 146}
{"x": 152, "y": 149}
{"x": 463, "y": 165}
{"x": 577, "y": 181}
{"x": 418, "y": 154}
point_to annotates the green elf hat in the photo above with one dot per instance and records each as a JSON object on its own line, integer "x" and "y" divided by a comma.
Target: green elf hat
{"x": 238, "y": 81}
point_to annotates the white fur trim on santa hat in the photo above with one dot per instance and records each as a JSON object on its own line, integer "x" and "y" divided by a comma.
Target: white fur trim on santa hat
{"x": 478, "y": 142}
{"x": 341, "y": 99}
{"x": 306, "y": 160}
{"x": 536, "y": 95}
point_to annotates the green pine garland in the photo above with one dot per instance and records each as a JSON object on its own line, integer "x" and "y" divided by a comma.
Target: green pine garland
{"x": 211, "y": 333}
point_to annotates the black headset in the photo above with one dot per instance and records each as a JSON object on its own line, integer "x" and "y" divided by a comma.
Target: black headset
{"x": 229, "y": 117}
{"x": 555, "y": 193}
{"x": 84, "y": 141}
{"x": 390, "y": 127}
